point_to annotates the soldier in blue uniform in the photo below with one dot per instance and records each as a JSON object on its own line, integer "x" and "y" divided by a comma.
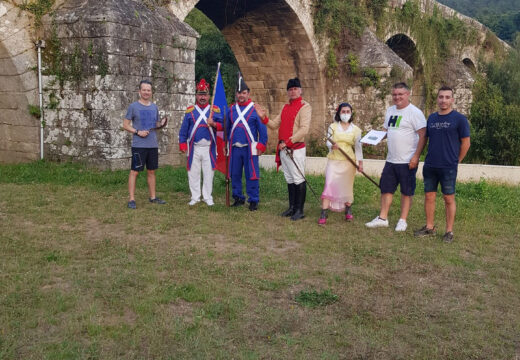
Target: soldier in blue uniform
{"x": 197, "y": 138}
{"x": 247, "y": 138}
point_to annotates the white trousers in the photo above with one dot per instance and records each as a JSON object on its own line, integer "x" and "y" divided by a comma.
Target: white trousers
{"x": 201, "y": 161}
{"x": 292, "y": 175}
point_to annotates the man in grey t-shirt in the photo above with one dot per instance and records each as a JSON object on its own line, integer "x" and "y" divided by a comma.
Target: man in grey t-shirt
{"x": 142, "y": 118}
{"x": 405, "y": 127}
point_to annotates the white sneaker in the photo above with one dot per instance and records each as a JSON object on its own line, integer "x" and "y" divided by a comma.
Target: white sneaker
{"x": 377, "y": 222}
{"x": 401, "y": 225}
{"x": 193, "y": 202}
{"x": 209, "y": 202}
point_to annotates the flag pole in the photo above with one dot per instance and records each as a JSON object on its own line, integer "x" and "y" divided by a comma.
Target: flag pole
{"x": 226, "y": 157}
{"x": 214, "y": 91}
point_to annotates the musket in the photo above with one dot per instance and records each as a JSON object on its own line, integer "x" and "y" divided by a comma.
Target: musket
{"x": 329, "y": 138}
{"x": 226, "y": 158}
{"x": 290, "y": 154}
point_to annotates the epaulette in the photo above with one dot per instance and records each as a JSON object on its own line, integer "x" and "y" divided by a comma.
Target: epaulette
{"x": 190, "y": 109}
{"x": 216, "y": 109}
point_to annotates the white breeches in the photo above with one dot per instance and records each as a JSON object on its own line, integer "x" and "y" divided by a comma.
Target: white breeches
{"x": 292, "y": 175}
{"x": 201, "y": 161}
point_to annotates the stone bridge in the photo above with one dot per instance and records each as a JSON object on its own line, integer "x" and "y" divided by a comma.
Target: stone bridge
{"x": 98, "y": 51}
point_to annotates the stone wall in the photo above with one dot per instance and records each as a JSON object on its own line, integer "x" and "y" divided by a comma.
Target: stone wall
{"x": 96, "y": 56}
{"x": 19, "y": 131}
{"x": 97, "y": 52}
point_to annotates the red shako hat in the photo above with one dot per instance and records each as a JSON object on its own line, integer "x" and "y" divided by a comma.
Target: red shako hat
{"x": 202, "y": 87}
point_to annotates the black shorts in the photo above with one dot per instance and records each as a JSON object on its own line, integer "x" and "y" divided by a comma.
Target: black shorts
{"x": 398, "y": 174}
{"x": 145, "y": 156}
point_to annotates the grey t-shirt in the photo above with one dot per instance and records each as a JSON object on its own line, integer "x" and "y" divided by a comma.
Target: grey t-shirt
{"x": 143, "y": 118}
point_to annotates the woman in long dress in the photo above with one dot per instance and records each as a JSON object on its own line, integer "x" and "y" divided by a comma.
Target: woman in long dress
{"x": 338, "y": 194}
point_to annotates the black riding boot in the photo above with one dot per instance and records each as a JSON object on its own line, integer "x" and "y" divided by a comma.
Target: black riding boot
{"x": 238, "y": 201}
{"x": 301, "y": 191}
{"x": 291, "y": 189}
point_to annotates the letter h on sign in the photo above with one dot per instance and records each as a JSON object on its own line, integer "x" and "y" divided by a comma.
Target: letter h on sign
{"x": 394, "y": 121}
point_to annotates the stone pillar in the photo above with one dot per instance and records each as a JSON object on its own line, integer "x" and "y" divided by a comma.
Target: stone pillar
{"x": 97, "y": 53}
{"x": 19, "y": 131}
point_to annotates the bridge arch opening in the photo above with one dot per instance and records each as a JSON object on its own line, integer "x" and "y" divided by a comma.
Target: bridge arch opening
{"x": 269, "y": 51}
{"x": 470, "y": 65}
{"x": 406, "y": 49}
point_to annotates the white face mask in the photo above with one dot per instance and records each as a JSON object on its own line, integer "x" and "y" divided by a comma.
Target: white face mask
{"x": 345, "y": 117}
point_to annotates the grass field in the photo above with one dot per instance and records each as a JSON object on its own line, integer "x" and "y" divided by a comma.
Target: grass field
{"x": 82, "y": 277}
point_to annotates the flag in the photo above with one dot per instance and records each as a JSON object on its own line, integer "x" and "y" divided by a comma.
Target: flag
{"x": 221, "y": 101}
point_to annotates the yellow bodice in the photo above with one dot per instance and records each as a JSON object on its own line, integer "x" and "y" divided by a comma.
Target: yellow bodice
{"x": 345, "y": 140}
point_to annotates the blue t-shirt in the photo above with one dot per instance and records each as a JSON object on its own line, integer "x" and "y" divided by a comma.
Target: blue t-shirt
{"x": 143, "y": 117}
{"x": 444, "y": 133}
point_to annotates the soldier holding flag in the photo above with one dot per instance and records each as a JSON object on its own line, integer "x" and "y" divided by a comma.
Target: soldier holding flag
{"x": 197, "y": 139}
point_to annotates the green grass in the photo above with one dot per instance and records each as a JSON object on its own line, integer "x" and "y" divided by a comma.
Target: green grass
{"x": 82, "y": 277}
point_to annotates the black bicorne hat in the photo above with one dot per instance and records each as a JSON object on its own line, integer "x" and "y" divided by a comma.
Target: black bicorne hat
{"x": 241, "y": 84}
{"x": 293, "y": 83}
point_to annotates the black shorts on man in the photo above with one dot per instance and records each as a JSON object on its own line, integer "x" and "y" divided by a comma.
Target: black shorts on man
{"x": 142, "y": 157}
{"x": 398, "y": 174}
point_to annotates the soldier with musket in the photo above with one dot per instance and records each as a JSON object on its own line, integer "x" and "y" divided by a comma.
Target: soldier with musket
{"x": 247, "y": 138}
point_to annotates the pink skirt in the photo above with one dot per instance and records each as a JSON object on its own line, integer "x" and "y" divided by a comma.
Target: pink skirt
{"x": 339, "y": 184}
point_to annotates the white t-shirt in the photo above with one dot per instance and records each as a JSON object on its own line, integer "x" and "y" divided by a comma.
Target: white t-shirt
{"x": 402, "y": 126}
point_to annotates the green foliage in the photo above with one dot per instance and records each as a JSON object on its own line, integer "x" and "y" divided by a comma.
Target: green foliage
{"x": 71, "y": 66}
{"x": 53, "y": 101}
{"x": 434, "y": 36}
{"x": 34, "y": 110}
{"x": 370, "y": 78}
{"x": 333, "y": 16}
{"x": 332, "y": 63}
{"x": 313, "y": 298}
{"x": 501, "y": 16}
{"x": 506, "y": 26}
{"x": 315, "y": 147}
{"x": 495, "y": 114}
{"x": 377, "y": 8}
{"x": 353, "y": 65}
{"x": 38, "y": 8}
{"x": 212, "y": 48}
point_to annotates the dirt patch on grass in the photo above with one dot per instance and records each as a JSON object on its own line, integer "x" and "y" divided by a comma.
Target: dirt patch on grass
{"x": 128, "y": 317}
{"x": 180, "y": 309}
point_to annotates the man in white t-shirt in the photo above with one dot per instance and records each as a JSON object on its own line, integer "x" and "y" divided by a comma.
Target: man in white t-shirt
{"x": 405, "y": 125}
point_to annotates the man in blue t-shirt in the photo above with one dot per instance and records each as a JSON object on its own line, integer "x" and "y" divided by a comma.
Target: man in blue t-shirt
{"x": 448, "y": 133}
{"x": 142, "y": 119}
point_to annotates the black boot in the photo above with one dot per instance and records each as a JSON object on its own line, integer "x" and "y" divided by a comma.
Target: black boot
{"x": 238, "y": 201}
{"x": 253, "y": 206}
{"x": 291, "y": 189}
{"x": 301, "y": 191}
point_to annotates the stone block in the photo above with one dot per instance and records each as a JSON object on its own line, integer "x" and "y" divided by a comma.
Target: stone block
{"x": 14, "y": 157}
{"x": 14, "y": 100}
{"x": 22, "y": 133}
{"x": 11, "y": 83}
{"x": 19, "y": 117}
{"x": 99, "y": 100}
{"x": 17, "y": 42}
{"x": 118, "y": 64}
{"x": 78, "y": 119}
{"x": 107, "y": 119}
{"x": 70, "y": 99}
{"x": 184, "y": 71}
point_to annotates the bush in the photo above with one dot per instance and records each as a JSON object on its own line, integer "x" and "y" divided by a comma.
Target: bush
{"x": 495, "y": 113}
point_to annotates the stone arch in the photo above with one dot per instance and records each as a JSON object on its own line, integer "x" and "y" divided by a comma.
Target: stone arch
{"x": 269, "y": 51}
{"x": 469, "y": 64}
{"x": 405, "y": 47}
{"x": 19, "y": 131}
